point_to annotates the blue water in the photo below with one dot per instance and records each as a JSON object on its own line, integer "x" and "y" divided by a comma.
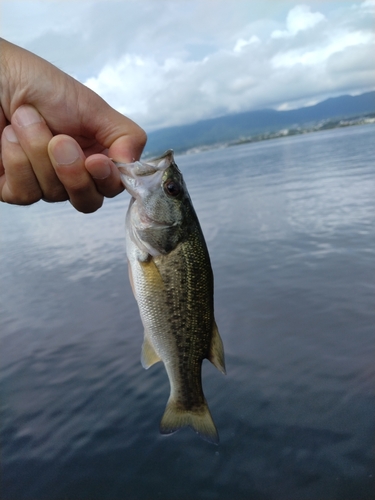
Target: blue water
{"x": 290, "y": 228}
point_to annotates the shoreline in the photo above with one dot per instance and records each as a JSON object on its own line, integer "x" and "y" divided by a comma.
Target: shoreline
{"x": 286, "y": 132}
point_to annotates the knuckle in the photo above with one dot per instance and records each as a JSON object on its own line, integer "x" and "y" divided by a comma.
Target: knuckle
{"x": 36, "y": 146}
{"x": 113, "y": 194}
{"x": 78, "y": 189}
{"x": 55, "y": 195}
{"x": 141, "y": 137}
{"x": 53, "y": 190}
{"x": 109, "y": 187}
{"x": 25, "y": 197}
{"x": 87, "y": 207}
{"x": 84, "y": 197}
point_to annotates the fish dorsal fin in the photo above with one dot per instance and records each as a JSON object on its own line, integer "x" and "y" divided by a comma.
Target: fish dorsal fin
{"x": 216, "y": 352}
{"x": 148, "y": 356}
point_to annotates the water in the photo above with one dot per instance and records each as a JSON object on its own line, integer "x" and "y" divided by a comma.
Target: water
{"x": 290, "y": 227}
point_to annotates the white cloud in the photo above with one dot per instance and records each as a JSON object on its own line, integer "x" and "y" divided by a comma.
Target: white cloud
{"x": 368, "y": 6}
{"x": 172, "y": 62}
{"x": 300, "y": 18}
{"x": 22, "y": 19}
{"x": 319, "y": 55}
{"x": 132, "y": 83}
{"x": 241, "y": 43}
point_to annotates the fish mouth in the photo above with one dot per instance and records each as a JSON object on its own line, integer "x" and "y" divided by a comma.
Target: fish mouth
{"x": 139, "y": 178}
{"x": 141, "y": 168}
{"x": 136, "y": 169}
{"x": 141, "y": 175}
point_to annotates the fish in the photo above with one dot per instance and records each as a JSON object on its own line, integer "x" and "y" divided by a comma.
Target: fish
{"x": 172, "y": 281}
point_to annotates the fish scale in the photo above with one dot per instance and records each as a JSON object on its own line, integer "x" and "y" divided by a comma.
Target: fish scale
{"x": 172, "y": 281}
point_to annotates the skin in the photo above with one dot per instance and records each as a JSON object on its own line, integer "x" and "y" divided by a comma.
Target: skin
{"x": 57, "y": 136}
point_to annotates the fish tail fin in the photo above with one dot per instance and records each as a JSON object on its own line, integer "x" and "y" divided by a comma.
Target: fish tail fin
{"x": 200, "y": 421}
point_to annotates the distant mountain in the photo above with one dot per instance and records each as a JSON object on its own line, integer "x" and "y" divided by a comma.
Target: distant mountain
{"x": 234, "y": 127}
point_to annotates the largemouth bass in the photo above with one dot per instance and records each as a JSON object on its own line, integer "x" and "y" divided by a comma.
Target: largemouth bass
{"x": 172, "y": 281}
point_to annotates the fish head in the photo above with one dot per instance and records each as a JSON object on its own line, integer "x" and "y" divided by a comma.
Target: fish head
{"x": 160, "y": 204}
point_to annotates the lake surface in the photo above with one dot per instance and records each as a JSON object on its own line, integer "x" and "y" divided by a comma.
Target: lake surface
{"x": 290, "y": 228}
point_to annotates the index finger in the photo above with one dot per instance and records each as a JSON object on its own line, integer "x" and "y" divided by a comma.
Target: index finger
{"x": 128, "y": 148}
{"x": 105, "y": 175}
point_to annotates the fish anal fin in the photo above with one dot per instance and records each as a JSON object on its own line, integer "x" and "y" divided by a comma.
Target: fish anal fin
{"x": 148, "y": 356}
{"x": 200, "y": 421}
{"x": 216, "y": 352}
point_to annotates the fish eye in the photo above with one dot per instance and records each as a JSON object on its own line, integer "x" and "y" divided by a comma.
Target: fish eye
{"x": 172, "y": 187}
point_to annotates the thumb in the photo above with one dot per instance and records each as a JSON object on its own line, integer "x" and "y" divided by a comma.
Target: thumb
{"x": 129, "y": 146}
{"x": 122, "y": 137}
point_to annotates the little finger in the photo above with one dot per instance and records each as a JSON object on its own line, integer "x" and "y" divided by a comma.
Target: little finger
{"x": 18, "y": 183}
{"x": 34, "y": 136}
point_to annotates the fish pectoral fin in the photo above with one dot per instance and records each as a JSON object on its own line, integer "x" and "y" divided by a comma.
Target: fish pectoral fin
{"x": 216, "y": 352}
{"x": 200, "y": 421}
{"x": 148, "y": 356}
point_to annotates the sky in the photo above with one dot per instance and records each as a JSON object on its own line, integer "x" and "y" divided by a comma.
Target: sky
{"x": 172, "y": 62}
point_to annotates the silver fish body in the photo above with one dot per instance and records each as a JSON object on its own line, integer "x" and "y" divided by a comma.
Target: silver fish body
{"x": 172, "y": 281}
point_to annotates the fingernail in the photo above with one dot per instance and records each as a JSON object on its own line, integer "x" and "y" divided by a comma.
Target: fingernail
{"x": 102, "y": 172}
{"x": 10, "y": 134}
{"x": 25, "y": 116}
{"x": 66, "y": 153}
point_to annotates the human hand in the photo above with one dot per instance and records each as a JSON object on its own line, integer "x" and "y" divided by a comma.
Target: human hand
{"x": 57, "y": 136}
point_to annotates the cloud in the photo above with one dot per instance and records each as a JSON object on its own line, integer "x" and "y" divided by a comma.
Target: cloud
{"x": 167, "y": 63}
{"x": 253, "y": 74}
{"x": 299, "y": 18}
{"x": 319, "y": 55}
{"x": 241, "y": 43}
